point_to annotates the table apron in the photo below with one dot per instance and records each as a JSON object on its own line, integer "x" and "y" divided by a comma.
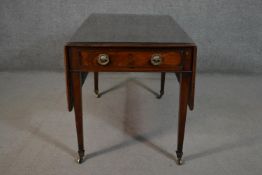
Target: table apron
{"x": 131, "y": 70}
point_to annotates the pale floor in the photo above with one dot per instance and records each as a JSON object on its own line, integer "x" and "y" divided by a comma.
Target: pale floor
{"x": 128, "y": 131}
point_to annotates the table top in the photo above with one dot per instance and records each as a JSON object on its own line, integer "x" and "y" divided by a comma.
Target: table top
{"x": 130, "y": 29}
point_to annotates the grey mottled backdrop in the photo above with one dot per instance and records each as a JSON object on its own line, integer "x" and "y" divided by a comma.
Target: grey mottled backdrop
{"x": 228, "y": 33}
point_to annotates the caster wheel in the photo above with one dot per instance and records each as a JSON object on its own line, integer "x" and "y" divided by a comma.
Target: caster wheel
{"x": 80, "y": 160}
{"x": 160, "y": 95}
{"x": 179, "y": 162}
{"x": 97, "y": 95}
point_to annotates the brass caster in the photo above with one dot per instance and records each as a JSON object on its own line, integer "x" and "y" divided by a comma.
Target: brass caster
{"x": 80, "y": 160}
{"x": 179, "y": 161}
{"x": 97, "y": 94}
{"x": 160, "y": 95}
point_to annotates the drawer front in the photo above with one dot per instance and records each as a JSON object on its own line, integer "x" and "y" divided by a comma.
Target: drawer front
{"x": 128, "y": 60}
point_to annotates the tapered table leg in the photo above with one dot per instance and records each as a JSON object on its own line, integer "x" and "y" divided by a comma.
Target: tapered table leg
{"x": 183, "y": 99}
{"x": 96, "y": 84}
{"x": 77, "y": 100}
{"x": 162, "y": 86}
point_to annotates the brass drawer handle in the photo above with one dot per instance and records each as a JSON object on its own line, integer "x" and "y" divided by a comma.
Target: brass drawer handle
{"x": 156, "y": 60}
{"x": 103, "y": 59}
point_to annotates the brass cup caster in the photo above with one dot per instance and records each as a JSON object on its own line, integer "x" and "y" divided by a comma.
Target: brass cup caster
{"x": 179, "y": 155}
{"x": 160, "y": 95}
{"x": 81, "y": 156}
{"x": 80, "y": 159}
{"x": 179, "y": 161}
{"x": 97, "y": 94}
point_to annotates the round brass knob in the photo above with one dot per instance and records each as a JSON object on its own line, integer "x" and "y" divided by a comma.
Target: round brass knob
{"x": 156, "y": 60}
{"x": 103, "y": 59}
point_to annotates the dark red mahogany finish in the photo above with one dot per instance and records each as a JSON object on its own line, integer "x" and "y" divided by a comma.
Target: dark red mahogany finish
{"x": 129, "y": 43}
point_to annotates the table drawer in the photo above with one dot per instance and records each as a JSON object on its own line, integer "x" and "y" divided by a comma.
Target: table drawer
{"x": 128, "y": 60}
